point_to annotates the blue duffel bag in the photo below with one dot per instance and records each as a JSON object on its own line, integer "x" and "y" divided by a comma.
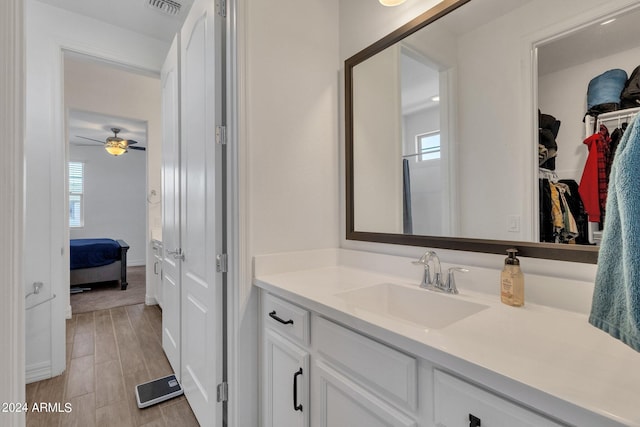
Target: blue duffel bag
{"x": 603, "y": 93}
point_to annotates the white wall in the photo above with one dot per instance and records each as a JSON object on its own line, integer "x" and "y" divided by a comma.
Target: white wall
{"x": 377, "y": 160}
{"x": 292, "y": 124}
{"x": 48, "y": 31}
{"x": 116, "y": 200}
{"x": 288, "y": 116}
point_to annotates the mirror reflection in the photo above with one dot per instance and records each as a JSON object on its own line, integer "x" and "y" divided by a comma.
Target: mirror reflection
{"x": 445, "y": 125}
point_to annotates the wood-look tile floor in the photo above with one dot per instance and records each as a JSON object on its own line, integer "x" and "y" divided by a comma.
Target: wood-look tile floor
{"x": 109, "y": 352}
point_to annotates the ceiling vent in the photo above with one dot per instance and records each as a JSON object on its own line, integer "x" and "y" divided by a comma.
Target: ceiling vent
{"x": 168, "y": 7}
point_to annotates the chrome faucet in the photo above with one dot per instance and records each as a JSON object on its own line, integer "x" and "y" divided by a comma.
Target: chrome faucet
{"x": 427, "y": 281}
{"x": 436, "y": 283}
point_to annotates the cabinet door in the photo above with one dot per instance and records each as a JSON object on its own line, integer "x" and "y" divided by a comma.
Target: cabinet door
{"x": 337, "y": 401}
{"x": 459, "y": 403}
{"x": 285, "y": 388}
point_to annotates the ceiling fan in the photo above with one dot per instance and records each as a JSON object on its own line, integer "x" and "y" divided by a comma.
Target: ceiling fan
{"x": 115, "y": 145}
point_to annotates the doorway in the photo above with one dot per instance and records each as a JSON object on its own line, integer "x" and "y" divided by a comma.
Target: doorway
{"x": 112, "y": 195}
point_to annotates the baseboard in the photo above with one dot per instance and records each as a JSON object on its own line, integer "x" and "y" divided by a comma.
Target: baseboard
{"x": 136, "y": 262}
{"x": 38, "y": 372}
{"x": 68, "y": 312}
{"x": 148, "y": 300}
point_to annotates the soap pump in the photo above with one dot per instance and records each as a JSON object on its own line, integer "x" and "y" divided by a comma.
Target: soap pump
{"x": 512, "y": 281}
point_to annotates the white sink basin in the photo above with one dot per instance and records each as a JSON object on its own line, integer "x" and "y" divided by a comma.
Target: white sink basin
{"x": 424, "y": 308}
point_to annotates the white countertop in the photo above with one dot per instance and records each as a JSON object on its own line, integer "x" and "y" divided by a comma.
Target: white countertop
{"x": 534, "y": 354}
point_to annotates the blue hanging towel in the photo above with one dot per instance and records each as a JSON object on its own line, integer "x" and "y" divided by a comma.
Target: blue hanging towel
{"x": 616, "y": 297}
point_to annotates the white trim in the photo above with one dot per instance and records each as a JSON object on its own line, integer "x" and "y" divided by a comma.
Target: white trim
{"x": 12, "y": 86}
{"x": 38, "y": 372}
{"x": 242, "y": 343}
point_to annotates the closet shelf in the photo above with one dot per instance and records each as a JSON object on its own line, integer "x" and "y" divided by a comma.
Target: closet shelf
{"x": 592, "y": 123}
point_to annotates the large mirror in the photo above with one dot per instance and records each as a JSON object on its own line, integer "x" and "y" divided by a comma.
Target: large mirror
{"x": 460, "y": 122}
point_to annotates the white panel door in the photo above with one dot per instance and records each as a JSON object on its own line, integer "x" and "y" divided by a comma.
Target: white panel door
{"x": 170, "y": 286}
{"x": 201, "y": 211}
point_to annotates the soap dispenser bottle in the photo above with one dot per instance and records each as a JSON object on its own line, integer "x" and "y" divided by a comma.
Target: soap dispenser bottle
{"x": 512, "y": 281}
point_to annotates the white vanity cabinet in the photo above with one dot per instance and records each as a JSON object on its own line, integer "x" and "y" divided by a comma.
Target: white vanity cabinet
{"x": 285, "y": 364}
{"x": 318, "y": 373}
{"x": 360, "y": 382}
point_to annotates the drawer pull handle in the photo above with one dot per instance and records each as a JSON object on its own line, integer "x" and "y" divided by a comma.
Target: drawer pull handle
{"x": 274, "y": 316}
{"x": 296, "y": 406}
{"x": 474, "y": 421}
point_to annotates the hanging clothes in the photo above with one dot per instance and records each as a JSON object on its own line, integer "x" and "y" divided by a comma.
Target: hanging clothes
{"x": 595, "y": 180}
{"x": 562, "y": 215}
{"x": 616, "y": 136}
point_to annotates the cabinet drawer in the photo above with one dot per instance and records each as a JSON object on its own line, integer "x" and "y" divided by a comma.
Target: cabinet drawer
{"x": 383, "y": 370}
{"x": 458, "y": 403}
{"x": 286, "y": 318}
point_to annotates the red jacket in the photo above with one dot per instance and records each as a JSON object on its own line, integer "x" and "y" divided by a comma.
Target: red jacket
{"x": 595, "y": 182}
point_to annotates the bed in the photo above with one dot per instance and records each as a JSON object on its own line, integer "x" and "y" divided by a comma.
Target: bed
{"x": 98, "y": 260}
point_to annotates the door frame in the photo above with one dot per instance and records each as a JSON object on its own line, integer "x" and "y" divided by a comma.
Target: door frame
{"x": 12, "y": 119}
{"x": 52, "y": 45}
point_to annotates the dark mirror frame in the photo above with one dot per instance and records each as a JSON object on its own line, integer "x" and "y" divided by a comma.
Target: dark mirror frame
{"x": 552, "y": 251}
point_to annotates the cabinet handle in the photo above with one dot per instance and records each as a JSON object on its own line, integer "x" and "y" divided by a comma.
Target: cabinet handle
{"x": 279, "y": 319}
{"x": 155, "y": 267}
{"x": 474, "y": 421}
{"x": 296, "y": 406}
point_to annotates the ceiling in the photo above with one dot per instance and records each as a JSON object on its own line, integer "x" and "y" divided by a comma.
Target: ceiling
{"x": 591, "y": 42}
{"x": 134, "y": 15}
{"x": 98, "y": 126}
{"x": 138, "y": 17}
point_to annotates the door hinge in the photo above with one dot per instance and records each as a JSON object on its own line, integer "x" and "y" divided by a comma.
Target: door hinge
{"x": 222, "y": 261}
{"x": 221, "y": 8}
{"x": 223, "y": 392}
{"x": 221, "y": 135}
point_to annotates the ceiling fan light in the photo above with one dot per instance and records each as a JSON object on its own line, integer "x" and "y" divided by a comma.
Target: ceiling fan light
{"x": 391, "y": 2}
{"x": 115, "y": 148}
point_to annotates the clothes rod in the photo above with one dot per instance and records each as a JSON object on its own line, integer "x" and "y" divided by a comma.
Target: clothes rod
{"x": 616, "y": 118}
{"x": 41, "y": 302}
{"x": 412, "y": 155}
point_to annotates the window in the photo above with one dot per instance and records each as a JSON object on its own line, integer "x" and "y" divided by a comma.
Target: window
{"x": 428, "y": 146}
{"x": 76, "y": 193}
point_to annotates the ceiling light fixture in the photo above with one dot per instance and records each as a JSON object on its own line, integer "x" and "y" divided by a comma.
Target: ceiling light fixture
{"x": 115, "y": 147}
{"x": 608, "y": 21}
{"x": 435, "y": 98}
{"x": 391, "y": 2}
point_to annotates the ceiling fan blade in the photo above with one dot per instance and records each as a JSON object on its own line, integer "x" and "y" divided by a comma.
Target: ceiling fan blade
{"x": 136, "y": 148}
{"x": 84, "y": 144}
{"x": 90, "y": 139}
{"x": 131, "y": 141}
